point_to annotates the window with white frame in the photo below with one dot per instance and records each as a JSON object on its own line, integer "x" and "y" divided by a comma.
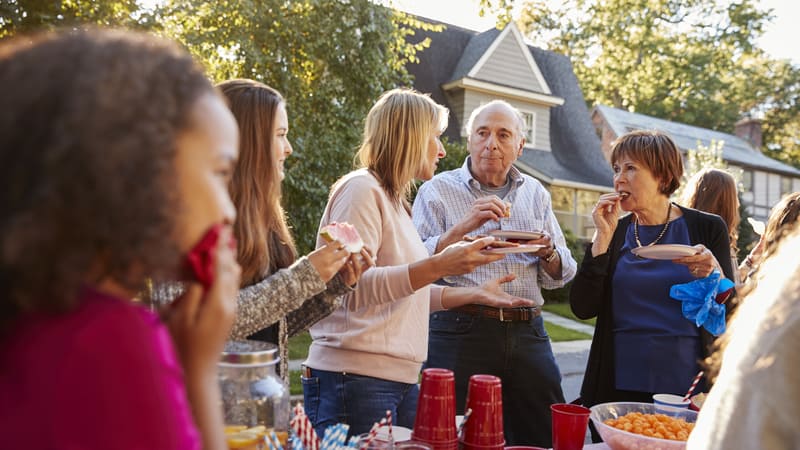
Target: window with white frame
{"x": 529, "y": 123}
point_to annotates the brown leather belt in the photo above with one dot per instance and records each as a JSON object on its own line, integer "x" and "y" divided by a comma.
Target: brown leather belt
{"x": 501, "y": 314}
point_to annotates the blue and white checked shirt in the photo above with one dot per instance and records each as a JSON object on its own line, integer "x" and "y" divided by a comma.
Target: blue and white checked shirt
{"x": 446, "y": 199}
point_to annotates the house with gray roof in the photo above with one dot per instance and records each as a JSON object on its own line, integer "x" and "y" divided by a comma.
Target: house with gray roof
{"x": 764, "y": 180}
{"x": 463, "y": 69}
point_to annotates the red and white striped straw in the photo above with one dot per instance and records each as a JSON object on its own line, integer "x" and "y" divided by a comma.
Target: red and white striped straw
{"x": 372, "y": 433}
{"x": 389, "y": 423}
{"x": 467, "y": 413}
{"x": 693, "y": 386}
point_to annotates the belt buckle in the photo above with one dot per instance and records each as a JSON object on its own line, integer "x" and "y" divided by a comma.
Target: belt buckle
{"x": 502, "y": 318}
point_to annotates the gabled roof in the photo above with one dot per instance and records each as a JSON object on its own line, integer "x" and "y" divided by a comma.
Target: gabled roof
{"x": 735, "y": 150}
{"x": 480, "y": 55}
{"x": 575, "y": 156}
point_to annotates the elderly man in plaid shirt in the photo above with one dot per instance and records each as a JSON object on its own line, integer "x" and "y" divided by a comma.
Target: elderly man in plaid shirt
{"x": 512, "y": 343}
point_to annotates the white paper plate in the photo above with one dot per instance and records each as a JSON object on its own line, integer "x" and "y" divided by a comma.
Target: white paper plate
{"x": 517, "y": 249}
{"x": 511, "y": 234}
{"x": 664, "y": 251}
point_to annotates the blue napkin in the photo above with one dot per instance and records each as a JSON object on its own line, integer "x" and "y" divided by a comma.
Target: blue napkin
{"x": 699, "y": 299}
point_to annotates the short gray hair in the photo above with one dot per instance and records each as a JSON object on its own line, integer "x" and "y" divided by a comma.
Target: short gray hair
{"x": 480, "y": 109}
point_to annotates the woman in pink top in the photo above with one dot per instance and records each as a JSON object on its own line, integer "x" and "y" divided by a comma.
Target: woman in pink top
{"x": 366, "y": 356}
{"x": 115, "y": 155}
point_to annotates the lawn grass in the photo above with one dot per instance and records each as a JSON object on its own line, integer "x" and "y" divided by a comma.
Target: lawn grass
{"x": 560, "y": 334}
{"x": 295, "y": 385}
{"x": 563, "y": 310}
{"x": 298, "y": 346}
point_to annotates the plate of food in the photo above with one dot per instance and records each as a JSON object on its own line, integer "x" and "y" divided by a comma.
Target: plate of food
{"x": 512, "y": 236}
{"x": 664, "y": 251}
{"x": 522, "y": 248}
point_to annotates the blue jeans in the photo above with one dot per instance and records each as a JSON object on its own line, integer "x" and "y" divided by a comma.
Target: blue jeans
{"x": 357, "y": 400}
{"x": 517, "y": 352}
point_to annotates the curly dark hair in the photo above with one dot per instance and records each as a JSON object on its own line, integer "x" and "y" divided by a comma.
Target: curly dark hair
{"x": 88, "y": 130}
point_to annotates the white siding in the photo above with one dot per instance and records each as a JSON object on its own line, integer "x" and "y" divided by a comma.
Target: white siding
{"x": 796, "y": 185}
{"x": 472, "y": 100}
{"x": 507, "y": 66}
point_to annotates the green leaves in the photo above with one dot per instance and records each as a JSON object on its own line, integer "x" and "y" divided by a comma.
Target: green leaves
{"x": 687, "y": 61}
{"x": 330, "y": 59}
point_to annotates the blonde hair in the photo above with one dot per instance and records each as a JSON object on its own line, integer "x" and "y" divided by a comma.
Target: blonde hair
{"x": 396, "y": 134}
{"x": 714, "y": 191}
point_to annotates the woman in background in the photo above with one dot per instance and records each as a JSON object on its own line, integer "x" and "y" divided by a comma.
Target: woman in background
{"x": 366, "y": 356}
{"x": 281, "y": 294}
{"x": 782, "y": 218}
{"x": 115, "y": 154}
{"x": 714, "y": 191}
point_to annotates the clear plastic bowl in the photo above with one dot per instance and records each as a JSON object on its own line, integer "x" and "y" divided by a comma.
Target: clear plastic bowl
{"x": 622, "y": 440}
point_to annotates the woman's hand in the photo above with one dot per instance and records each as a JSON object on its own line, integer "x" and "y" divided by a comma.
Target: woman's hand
{"x": 463, "y": 257}
{"x": 356, "y": 264}
{"x": 199, "y": 321}
{"x": 702, "y": 263}
{"x": 491, "y": 294}
{"x": 605, "y": 216}
{"x": 329, "y": 259}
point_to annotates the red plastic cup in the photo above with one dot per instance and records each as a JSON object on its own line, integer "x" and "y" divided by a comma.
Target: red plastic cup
{"x": 569, "y": 426}
{"x": 484, "y": 428}
{"x": 435, "y": 423}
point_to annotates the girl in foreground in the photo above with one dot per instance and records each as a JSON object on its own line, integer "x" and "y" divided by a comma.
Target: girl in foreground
{"x": 116, "y": 153}
{"x": 366, "y": 356}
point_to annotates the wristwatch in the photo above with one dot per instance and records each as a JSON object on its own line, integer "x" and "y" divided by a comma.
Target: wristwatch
{"x": 549, "y": 258}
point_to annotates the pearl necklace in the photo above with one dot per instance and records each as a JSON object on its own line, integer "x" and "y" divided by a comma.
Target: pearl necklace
{"x": 660, "y": 235}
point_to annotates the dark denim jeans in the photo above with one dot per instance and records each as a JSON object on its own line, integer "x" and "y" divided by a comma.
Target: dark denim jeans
{"x": 517, "y": 352}
{"x": 357, "y": 400}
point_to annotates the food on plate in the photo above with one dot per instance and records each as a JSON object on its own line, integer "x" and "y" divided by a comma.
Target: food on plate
{"x": 344, "y": 233}
{"x": 498, "y": 243}
{"x": 653, "y": 425}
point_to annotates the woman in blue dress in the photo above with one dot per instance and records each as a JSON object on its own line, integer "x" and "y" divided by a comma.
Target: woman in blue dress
{"x": 642, "y": 343}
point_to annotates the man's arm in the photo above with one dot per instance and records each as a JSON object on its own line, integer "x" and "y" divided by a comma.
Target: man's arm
{"x": 430, "y": 217}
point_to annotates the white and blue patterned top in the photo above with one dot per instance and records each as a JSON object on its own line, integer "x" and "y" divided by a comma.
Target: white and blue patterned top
{"x": 446, "y": 199}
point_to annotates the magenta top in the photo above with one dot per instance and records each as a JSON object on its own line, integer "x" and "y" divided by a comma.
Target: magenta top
{"x": 104, "y": 376}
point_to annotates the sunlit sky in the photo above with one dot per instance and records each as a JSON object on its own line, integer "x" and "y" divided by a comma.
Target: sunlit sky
{"x": 781, "y": 39}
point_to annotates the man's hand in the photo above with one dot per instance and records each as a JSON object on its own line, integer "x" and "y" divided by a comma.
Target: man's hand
{"x": 482, "y": 210}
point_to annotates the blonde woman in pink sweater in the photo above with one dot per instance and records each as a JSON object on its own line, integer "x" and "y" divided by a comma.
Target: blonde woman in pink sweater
{"x": 366, "y": 356}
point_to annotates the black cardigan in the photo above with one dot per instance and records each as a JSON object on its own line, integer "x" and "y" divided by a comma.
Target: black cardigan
{"x": 590, "y": 296}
